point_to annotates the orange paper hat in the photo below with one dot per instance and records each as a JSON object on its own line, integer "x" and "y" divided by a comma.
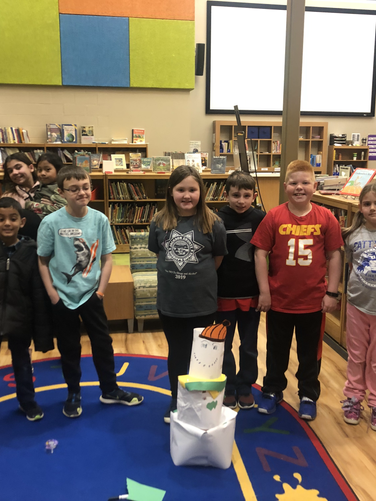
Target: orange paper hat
{"x": 216, "y": 332}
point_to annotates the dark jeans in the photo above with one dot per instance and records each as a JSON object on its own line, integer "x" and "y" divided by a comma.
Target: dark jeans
{"x": 23, "y": 373}
{"x": 179, "y": 335}
{"x": 248, "y": 321}
{"x": 280, "y": 329}
{"x": 67, "y": 323}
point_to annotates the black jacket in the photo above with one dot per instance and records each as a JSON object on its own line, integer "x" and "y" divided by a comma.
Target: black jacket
{"x": 236, "y": 275}
{"x": 24, "y": 307}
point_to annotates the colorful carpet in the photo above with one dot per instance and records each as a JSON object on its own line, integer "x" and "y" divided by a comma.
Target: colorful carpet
{"x": 275, "y": 457}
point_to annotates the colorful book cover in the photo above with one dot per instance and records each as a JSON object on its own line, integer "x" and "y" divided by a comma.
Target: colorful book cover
{"x": 95, "y": 161}
{"x": 69, "y": 133}
{"x": 357, "y": 182}
{"x": 135, "y": 160}
{"x": 146, "y": 163}
{"x": 82, "y": 161}
{"x": 53, "y": 133}
{"x": 161, "y": 164}
{"x": 138, "y": 135}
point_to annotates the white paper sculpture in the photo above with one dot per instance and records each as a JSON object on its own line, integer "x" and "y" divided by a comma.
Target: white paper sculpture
{"x": 202, "y": 430}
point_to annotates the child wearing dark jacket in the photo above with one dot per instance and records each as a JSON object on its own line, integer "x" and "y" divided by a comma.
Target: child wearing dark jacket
{"x": 24, "y": 313}
{"x": 238, "y": 290}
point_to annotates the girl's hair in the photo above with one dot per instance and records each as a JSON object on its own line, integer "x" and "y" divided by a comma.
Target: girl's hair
{"x": 21, "y": 157}
{"x": 51, "y": 158}
{"x": 359, "y": 219}
{"x": 168, "y": 217}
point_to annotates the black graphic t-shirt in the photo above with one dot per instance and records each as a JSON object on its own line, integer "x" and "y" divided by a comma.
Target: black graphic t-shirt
{"x": 187, "y": 279}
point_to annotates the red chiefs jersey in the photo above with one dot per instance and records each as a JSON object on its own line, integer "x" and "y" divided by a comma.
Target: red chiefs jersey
{"x": 297, "y": 249}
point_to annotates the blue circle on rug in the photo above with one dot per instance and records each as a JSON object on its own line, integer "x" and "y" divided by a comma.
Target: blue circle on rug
{"x": 275, "y": 457}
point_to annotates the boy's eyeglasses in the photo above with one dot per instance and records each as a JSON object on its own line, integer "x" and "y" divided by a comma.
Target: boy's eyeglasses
{"x": 77, "y": 190}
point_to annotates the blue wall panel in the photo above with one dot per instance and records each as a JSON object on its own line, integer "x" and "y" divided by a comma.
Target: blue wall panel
{"x": 94, "y": 50}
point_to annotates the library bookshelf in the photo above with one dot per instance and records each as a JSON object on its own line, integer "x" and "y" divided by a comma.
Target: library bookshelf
{"x": 267, "y": 138}
{"x": 357, "y": 156}
{"x": 343, "y": 209}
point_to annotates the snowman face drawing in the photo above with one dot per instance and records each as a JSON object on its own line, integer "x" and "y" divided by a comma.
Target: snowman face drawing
{"x": 206, "y": 352}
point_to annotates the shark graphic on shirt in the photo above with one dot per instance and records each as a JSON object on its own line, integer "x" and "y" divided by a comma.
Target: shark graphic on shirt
{"x": 85, "y": 257}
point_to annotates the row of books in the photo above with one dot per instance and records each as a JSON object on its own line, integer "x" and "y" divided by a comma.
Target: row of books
{"x": 131, "y": 213}
{"x": 14, "y": 135}
{"x": 215, "y": 191}
{"x": 119, "y": 190}
{"x": 121, "y": 233}
{"x": 33, "y": 155}
{"x": 339, "y": 214}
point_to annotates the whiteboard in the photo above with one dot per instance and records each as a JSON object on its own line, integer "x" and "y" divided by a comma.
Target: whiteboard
{"x": 246, "y": 60}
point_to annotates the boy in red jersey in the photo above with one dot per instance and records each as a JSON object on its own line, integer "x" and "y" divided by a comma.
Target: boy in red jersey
{"x": 298, "y": 238}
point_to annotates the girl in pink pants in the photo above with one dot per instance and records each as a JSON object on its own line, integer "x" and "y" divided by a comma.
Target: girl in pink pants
{"x": 360, "y": 247}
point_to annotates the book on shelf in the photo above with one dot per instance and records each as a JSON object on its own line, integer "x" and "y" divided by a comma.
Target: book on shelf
{"x": 138, "y": 135}
{"x": 195, "y": 146}
{"x": 108, "y": 166}
{"x": 69, "y": 133}
{"x": 119, "y": 140}
{"x": 95, "y": 161}
{"x": 12, "y": 135}
{"x": 82, "y": 160}
{"x": 204, "y": 160}
{"x": 134, "y": 160}
{"x": 160, "y": 188}
{"x": 218, "y": 165}
{"x": 162, "y": 164}
{"x": 177, "y": 158}
{"x": 193, "y": 160}
{"x": 146, "y": 163}
{"x": 87, "y": 134}
{"x": 357, "y": 181}
{"x": 53, "y": 132}
{"x": 119, "y": 161}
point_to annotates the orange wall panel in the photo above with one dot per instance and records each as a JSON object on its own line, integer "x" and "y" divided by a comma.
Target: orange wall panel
{"x": 150, "y": 9}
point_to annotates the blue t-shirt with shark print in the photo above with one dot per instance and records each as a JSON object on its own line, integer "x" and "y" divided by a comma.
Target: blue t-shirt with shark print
{"x": 75, "y": 245}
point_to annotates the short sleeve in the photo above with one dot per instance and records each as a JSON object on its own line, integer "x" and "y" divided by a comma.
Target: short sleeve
{"x": 153, "y": 242}
{"x": 264, "y": 235}
{"x": 45, "y": 239}
{"x": 220, "y": 238}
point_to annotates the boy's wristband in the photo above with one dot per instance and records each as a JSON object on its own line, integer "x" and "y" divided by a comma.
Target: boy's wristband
{"x": 100, "y": 294}
{"x": 332, "y": 294}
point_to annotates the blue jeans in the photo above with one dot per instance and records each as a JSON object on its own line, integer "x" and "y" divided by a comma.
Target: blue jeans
{"x": 248, "y": 321}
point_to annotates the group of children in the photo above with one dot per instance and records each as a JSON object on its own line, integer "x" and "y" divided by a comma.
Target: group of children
{"x": 211, "y": 267}
{"x": 73, "y": 255}
{"x": 275, "y": 263}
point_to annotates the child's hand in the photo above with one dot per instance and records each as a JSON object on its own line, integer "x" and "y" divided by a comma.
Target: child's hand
{"x": 328, "y": 304}
{"x": 264, "y": 302}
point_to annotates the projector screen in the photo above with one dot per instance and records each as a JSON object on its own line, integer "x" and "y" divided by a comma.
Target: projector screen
{"x": 246, "y": 60}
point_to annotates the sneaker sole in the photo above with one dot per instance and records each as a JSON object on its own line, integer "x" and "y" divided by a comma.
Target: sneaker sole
{"x": 79, "y": 412}
{"x": 134, "y": 401}
{"x": 373, "y": 427}
{"x": 351, "y": 421}
{"x": 306, "y": 417}
{"x": 36, "y": 418}
{"x": 264, "y": 411}
{"x": 167, "y": 420}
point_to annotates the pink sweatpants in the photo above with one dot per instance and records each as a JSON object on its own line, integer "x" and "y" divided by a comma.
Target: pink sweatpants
{"x": 361, "y": 347}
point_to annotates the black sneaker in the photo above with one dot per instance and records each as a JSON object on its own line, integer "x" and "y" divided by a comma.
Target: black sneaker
{"x": 32, "y": 410}
{"x": 119, "y": 396}
{"x": 172, "y": 408}
{"x": 72, "y": 407}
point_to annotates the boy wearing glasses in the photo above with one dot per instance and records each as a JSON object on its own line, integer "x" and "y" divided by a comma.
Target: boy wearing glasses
{"x": 75, "y": 263}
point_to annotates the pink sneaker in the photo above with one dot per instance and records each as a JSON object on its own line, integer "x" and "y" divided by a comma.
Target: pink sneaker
{"x": 351, "y": 410}
{"x": 373, "y": 418}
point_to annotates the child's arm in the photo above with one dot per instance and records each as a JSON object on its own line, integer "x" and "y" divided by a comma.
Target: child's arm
{"x": 106, "y": 268}
{"x": 334, "y": 275}
{"x": 261, "y": 268}
{"x": 218, "y": 261}
{"x": 47, "y": 279}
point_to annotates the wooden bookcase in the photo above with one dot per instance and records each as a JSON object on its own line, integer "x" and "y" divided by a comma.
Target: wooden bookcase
{"x": 313, "y": 140}
{"x": 343, "y": 208}
{"x": 345, "y": 155}
{"x": 154, "y": 189}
